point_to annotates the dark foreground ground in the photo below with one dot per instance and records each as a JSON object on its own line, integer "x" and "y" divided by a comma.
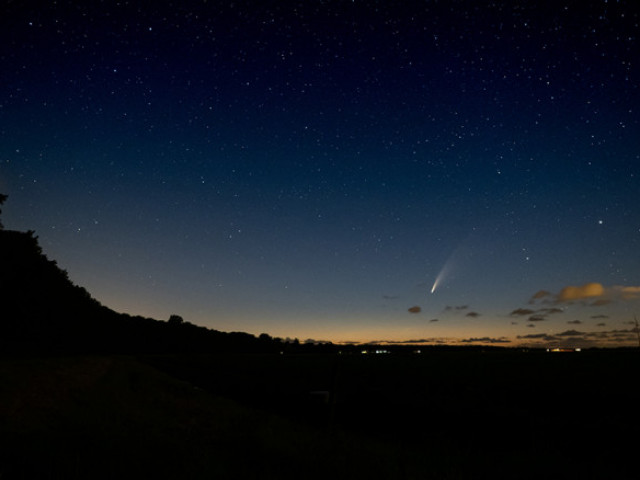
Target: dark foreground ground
{"x": 449, "y": 415}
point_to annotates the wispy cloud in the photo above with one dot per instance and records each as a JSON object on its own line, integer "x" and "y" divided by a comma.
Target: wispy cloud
{"x": 545, "y": 304}
{"x": 629, "y": 293}
{"x": 540, "y": 295}
{"x": 570, "y": 333}
{"x": 537, "y": 315}
{"x": 550, "y": 311}
{"x": 577, "y": 338}
{"x": 522, "y": 312}
{"x": 536, "y": 336}
{"x": 448, "y": 308}
{"x": 601, "y": 302}
{"x": 593, "y": 293}
{"x": 413, "y": 341}
{"x": 485, "y": 340}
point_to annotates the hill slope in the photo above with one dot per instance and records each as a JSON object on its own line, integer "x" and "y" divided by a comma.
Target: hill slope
{"x": 41, "y": 310}
{"x": 113, "y": 417}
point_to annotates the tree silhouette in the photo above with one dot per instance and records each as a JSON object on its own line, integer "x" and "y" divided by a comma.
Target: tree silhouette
{"x": 3, "y": 198}
{"x": 42, "y": 310}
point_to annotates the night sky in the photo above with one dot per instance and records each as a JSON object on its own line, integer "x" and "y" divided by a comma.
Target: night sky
{"x": 439, "y": 171}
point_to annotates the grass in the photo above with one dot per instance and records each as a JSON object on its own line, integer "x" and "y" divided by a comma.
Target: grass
{"x": 443, "y": 416}
{"x": 455, "y": 414}
{"x": 114, "y": 417}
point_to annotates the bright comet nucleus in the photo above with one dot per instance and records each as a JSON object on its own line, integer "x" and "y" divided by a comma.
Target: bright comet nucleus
{"x": 444, "y": 271}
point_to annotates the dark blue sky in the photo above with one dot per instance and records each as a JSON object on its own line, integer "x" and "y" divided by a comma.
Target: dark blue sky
{"x": 308, "y": 169}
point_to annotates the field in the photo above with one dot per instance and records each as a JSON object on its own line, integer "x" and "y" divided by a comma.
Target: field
{"x": 449, "y": 414}
{"x": 454, "y": 413}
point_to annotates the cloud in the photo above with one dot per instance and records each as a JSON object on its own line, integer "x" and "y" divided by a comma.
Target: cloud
{"x": 575, "y": 338}
{"x": 601, "y": 302}
{"x": 456, "y": 307}
{"x": 588, "y": 290}
{"x": 630, "y": 293}
{"x": 570, "y": 333}
{"x": 415, "y": 309}
{"x": 550, "y": 311}
{"x": 593, "y": 292}
{"x": 486, "y": 340}
{"x": 538, "y": 315}
{"x": 537, "y": 336}
{"x": 522, "y": 311}
{"x": 540, "y": 294}
{"x": 413, "y": 341}
{"x": 575, "y": 322}
{"x": 472, "y": 314}
{"x": 434, "y": 320}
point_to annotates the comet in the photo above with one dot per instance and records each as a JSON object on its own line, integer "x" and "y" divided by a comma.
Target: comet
{"x": 439, "y": 278}
{"x": 444, "y": 271}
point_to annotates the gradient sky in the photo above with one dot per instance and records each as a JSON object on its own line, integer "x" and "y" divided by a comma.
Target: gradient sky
{"x": 309, "y": 169}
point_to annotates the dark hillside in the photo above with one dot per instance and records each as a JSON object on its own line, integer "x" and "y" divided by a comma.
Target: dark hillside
{"x": 107, "y": 417}
{"x": 40, "y": 307}
{"x": 43, "y": 311}
{"x": 71, "y": 406}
